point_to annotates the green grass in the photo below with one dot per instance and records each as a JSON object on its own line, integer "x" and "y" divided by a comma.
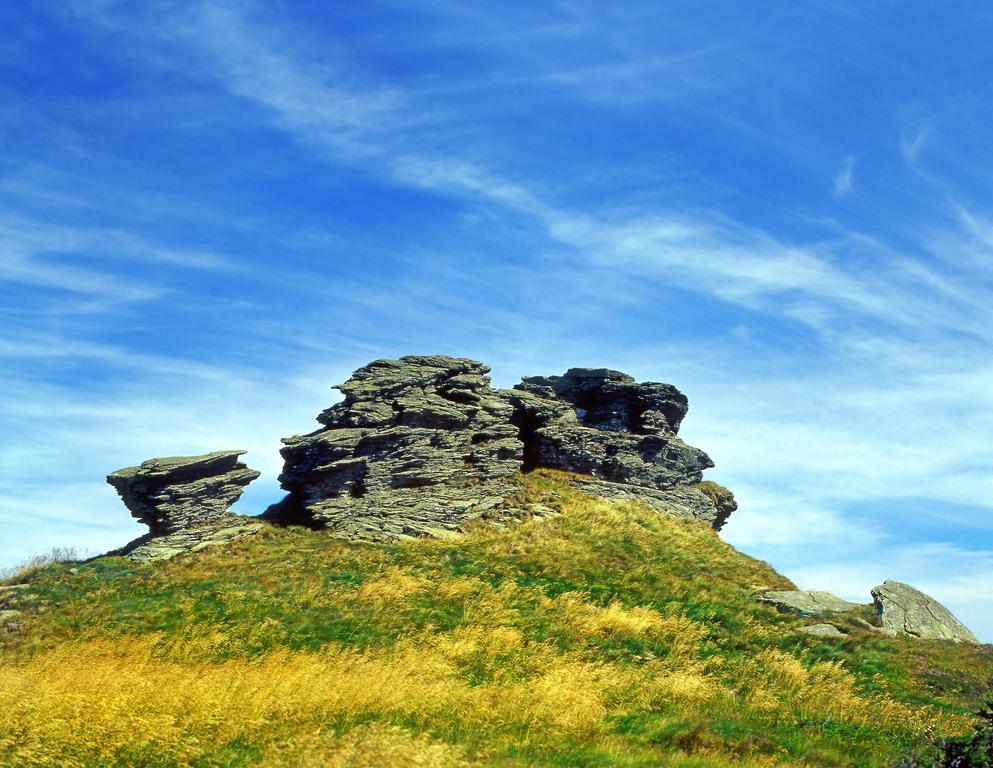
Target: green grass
{"x": 606, "y": 635}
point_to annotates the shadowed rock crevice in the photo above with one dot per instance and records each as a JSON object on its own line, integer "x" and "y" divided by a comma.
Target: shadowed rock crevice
{"x": 527, "y": 432}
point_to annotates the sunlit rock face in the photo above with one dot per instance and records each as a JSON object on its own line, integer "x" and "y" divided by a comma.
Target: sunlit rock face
{"x": 902, "y": 608}
{"x": 419, "y": 446}
{"x": 184, "y": 501}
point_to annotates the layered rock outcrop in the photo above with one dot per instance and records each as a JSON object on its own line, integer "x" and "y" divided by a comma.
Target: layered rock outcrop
{"x": 184, "y": 501}
{"x": 418, "y": 447}
{"x": 421, "y": 445}
{"x": 622, "y": 435}
{"x": 902, "y": 608}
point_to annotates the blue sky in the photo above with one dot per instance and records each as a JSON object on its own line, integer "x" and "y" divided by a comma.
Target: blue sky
{"x": 210, "y": 212}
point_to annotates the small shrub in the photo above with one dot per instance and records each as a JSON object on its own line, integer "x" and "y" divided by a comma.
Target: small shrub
{"x": 977, "y": 750}
{"x": 39, "y": 562}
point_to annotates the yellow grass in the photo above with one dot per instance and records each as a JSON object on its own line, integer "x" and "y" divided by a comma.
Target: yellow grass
{"x": 108, "y": 701}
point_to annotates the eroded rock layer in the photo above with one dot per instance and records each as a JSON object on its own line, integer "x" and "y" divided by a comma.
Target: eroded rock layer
{"x": 622, "y": 435}
{"x": 184, "y": 501}
{"x": 419, "y": 446}
{"x": 423, "y": 444}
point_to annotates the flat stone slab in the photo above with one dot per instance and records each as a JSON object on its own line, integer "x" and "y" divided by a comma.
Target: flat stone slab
{"x": 902, "y": 608}
{"x": 807, "y": 602}
{"x": 178, "y": 492}
{"x": 822, "y": 630}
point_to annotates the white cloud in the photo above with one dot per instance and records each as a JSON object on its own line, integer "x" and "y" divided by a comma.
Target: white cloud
{"x": 844, "y": 179}
{"x": 915, "y": 141}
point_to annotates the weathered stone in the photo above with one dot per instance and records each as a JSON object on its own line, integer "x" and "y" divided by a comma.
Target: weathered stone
{"x": 184, "y": 501}
{"x": 150, "y": 547}
{"x": 422, "y": 445}
{"x": 807, "y": 602}
{"x": 622, "y": 434}
{"x": 902, "y": 608}
{"x": 863, "y": 624}
{"x": 823, "y": 630}
{"x": 419, "y": 446}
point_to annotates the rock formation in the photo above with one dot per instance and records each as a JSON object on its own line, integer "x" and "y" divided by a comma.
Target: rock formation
{"x": 622, "y": 435}
{"x": 899, "y": 609}
{"x": 905, "y": 609}
{"x": 421, "y": 445}
{"x": 807, "y": 602}
{"x": 184, "y": 502}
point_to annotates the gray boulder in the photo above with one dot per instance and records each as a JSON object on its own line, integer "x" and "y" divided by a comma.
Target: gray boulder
{"x": 184, "y": 502}
{"x": 807, "y": 602}
{"x": 419, "y": 446}
{"x": 902, "y": 608}
{"x": 827, "y": 631}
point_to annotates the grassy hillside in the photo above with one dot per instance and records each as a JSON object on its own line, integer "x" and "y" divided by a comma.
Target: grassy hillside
{"x": 605, "y": 636}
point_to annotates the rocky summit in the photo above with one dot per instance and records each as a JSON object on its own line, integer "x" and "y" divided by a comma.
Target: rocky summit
{"x": 419, "y": 446}
{"x": 904, "y": 609}
{"x": 424, "y": 444}
{"x": 184, "y": 502}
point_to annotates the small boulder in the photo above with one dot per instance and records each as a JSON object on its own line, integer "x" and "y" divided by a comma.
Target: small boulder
{"x": 807, "y": 602}
{"x": 828, "y": 631}
{"x": 902, "y": 608}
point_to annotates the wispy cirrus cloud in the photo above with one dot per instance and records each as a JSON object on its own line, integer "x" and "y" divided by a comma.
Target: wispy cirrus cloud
{"x": 373, "y": 124}
{"x": 844, "y": 179}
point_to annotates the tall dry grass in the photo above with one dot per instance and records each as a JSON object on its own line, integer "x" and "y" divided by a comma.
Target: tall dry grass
{"x": 130, "y": 702}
